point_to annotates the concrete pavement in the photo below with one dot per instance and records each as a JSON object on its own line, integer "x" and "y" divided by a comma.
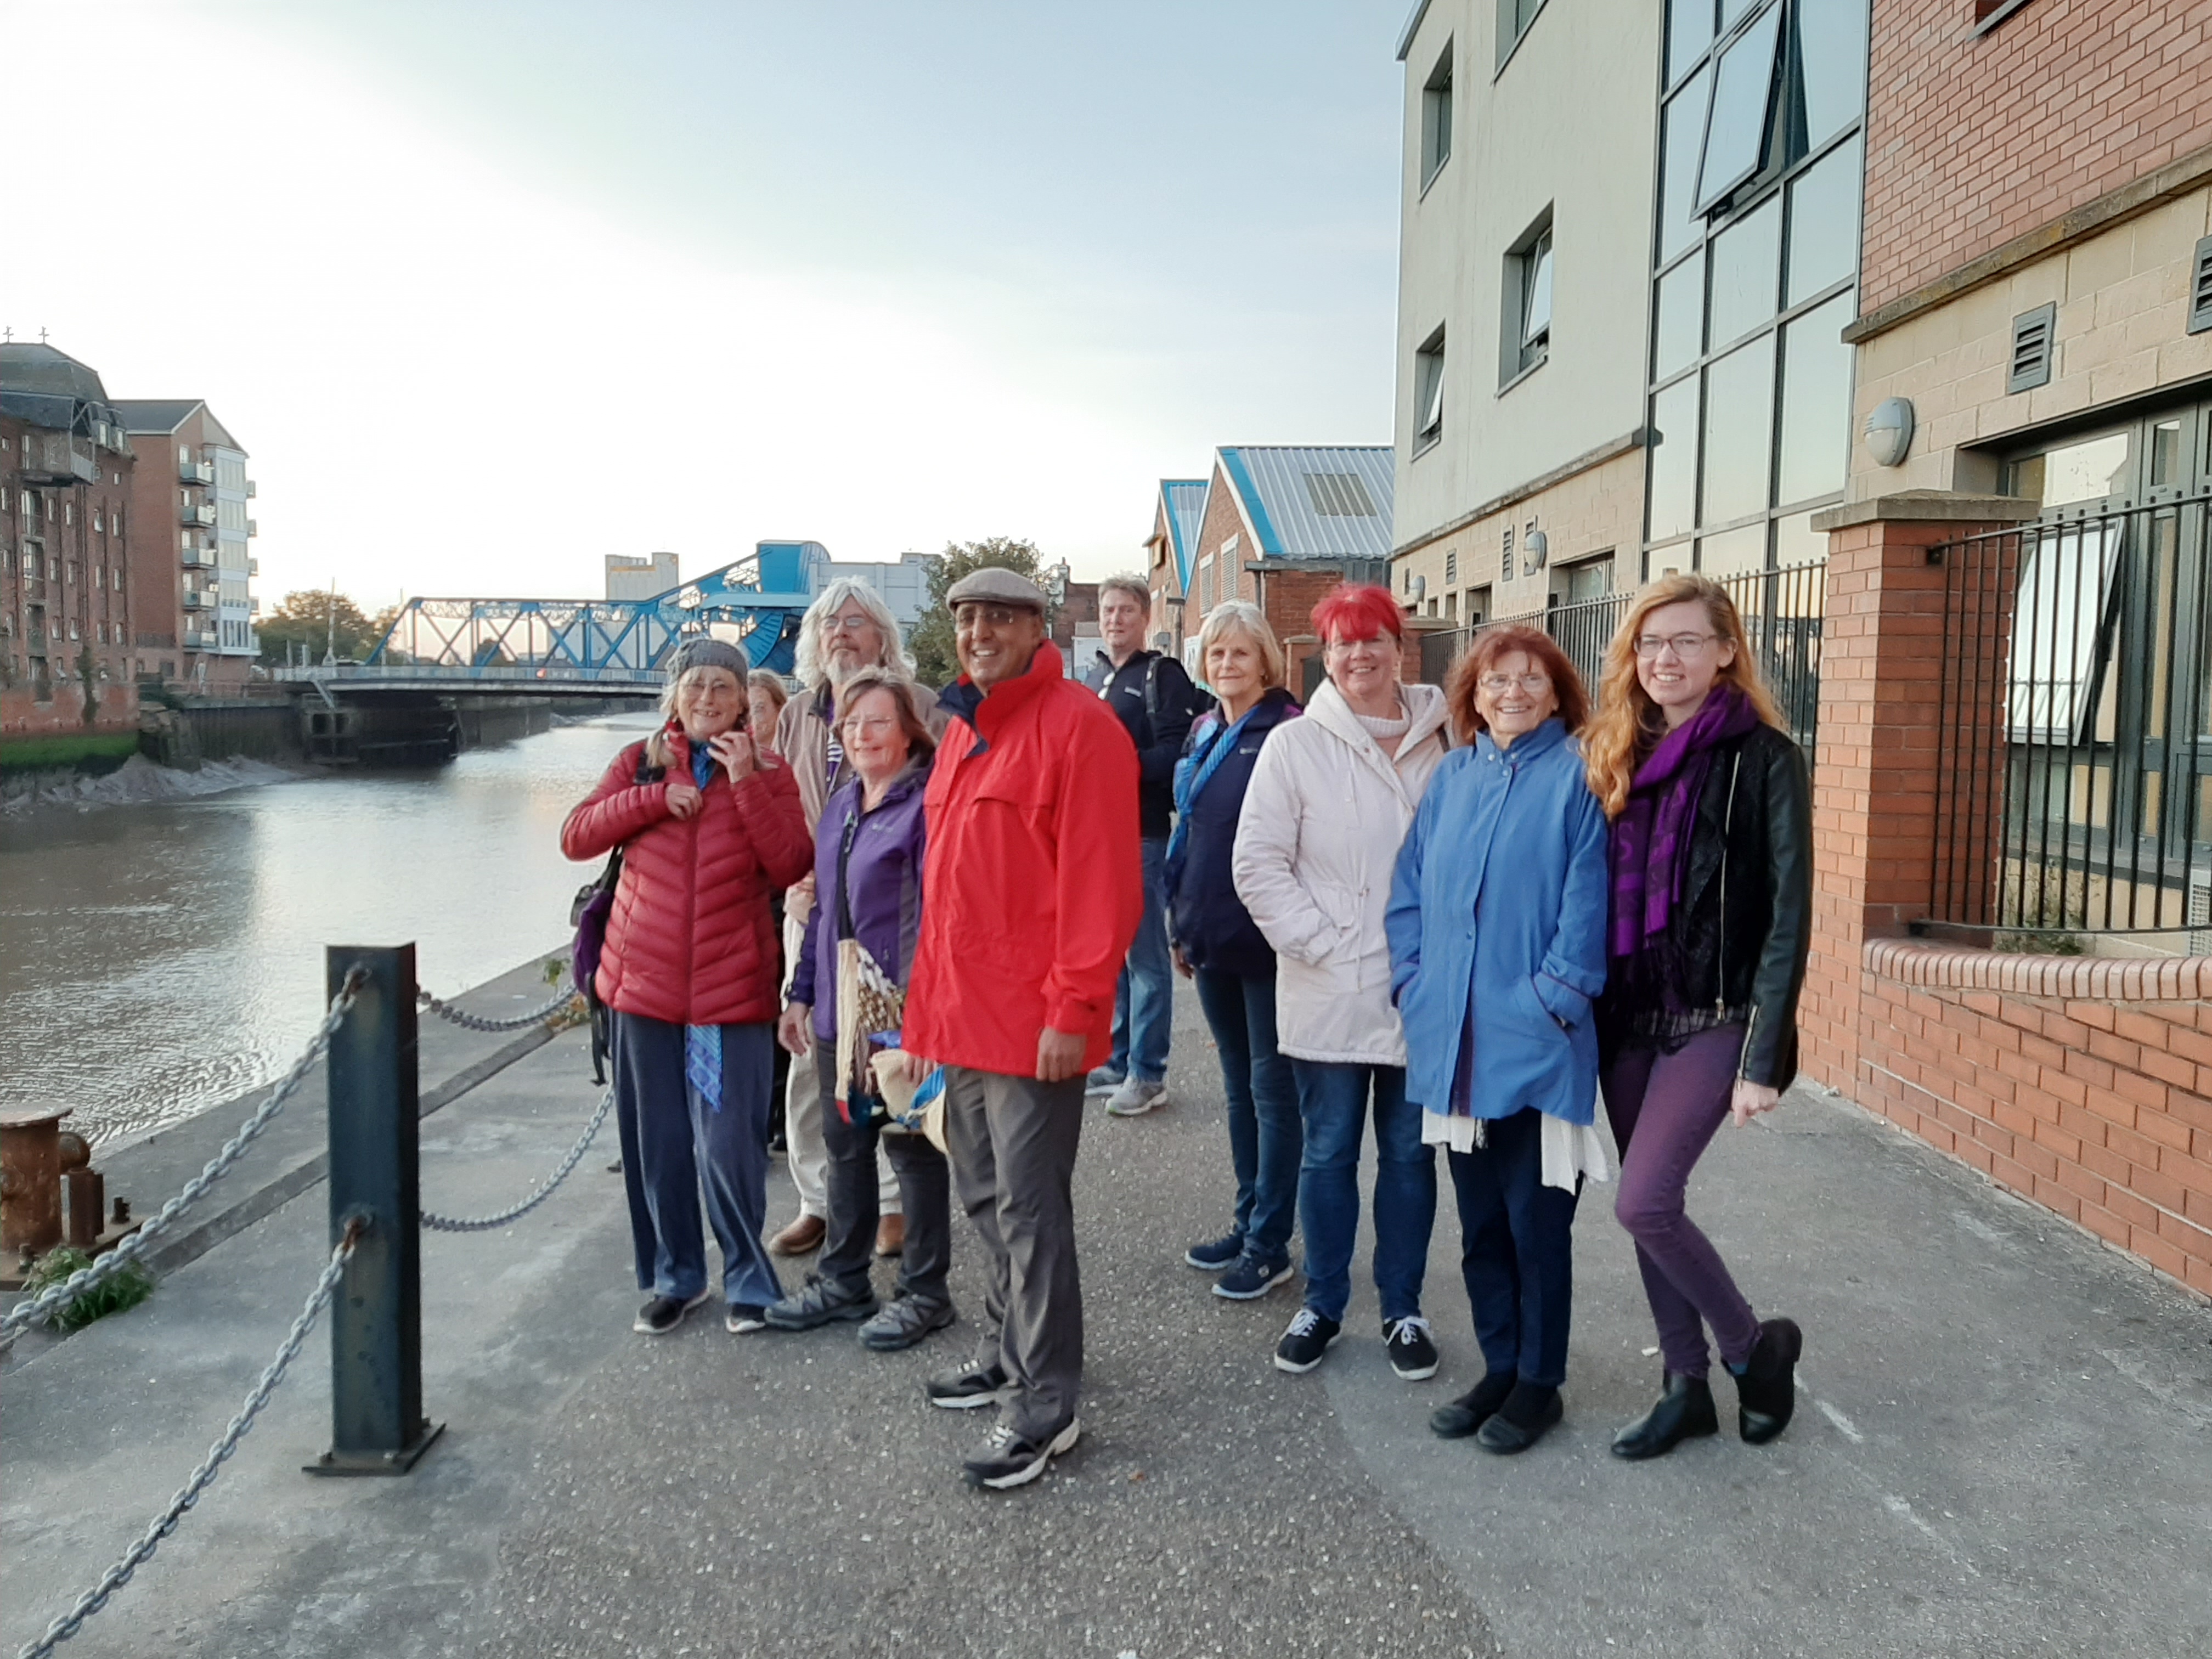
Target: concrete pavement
{"x": 2005, "y": 1445}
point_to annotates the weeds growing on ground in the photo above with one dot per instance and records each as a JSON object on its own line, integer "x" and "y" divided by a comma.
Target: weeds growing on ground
{"x": 125, "y": 1288}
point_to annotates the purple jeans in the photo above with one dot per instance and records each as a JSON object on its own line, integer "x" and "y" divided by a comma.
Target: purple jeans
{"x": 1665, "y": 1109}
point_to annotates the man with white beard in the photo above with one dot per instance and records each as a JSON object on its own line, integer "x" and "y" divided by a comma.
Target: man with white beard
{"x": 847, "y": 628}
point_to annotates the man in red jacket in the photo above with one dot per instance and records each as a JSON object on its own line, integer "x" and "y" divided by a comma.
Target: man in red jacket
{"x": 1034, "y": 887}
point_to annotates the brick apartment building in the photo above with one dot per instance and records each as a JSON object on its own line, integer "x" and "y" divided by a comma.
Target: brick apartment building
{"x": 2015, "y": 737}
{"x": 66, "y": 469}
{"x": 1276, "y": 524}
{"x": 191, "y": 567}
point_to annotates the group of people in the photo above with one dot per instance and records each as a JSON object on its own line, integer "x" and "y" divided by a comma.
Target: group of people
{"x": 1472, "y": 912}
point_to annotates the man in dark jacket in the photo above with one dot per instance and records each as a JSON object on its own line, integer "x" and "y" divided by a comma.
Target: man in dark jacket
{"x": 1155, "y": 702}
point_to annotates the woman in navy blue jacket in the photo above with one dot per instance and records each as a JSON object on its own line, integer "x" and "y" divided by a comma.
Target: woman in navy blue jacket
{"x": 1217, "y": 943}
{"x": 1496, "y": 927}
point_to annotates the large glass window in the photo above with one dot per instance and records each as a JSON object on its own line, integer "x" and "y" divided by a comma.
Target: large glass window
{"x": 1759, "y": 185}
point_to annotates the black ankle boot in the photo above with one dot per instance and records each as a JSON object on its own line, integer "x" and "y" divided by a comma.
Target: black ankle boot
{"x": 1464, "y": 1415}
{"x": 1767, "y": 1392}
{"x": 1684, "y": 1409}
{"x": 1521, "y": 1422}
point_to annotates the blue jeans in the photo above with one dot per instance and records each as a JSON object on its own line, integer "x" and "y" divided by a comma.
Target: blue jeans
{"x": 673, "y": 1142}
{"x": 1265, "y": 1139}
{"x": 1333, "y": 1100}
{"x": 1144, "y": 1000}
{"x": 1516, "y": 1250}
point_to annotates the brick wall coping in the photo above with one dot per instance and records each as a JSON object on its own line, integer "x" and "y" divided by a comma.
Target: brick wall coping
{"x": 2137, "y": 196}
{"x": 2108, "y": 979}
{"x": 1927, "y": 507}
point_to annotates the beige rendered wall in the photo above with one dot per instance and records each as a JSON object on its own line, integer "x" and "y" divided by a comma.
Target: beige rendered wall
{"x": 1597, "y": 510}
{"x": 1570, "y": 123}
{"x": 2122, "y": 299}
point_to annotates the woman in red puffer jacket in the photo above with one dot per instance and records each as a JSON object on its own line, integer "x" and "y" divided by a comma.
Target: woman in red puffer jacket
{"x": 691, "y": 975}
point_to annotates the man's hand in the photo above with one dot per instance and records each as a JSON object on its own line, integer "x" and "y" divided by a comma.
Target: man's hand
{"x": 1182, "y": 963}
{"x": 1751, "y": 1099}
{"x": 917, "y": 1069}
{"x": 1060, "y": 1054}
{"x": 683, "y": 798}
{"x": 735, "y": 751}
{"x": 791, "y": 1030}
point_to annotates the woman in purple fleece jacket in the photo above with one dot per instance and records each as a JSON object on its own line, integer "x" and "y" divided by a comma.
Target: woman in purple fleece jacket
{"x": 867, "y": 887}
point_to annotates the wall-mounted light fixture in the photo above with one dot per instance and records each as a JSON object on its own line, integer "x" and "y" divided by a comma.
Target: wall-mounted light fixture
{"x": 1889, "y": 431}
{"x": 1536, "y": 548}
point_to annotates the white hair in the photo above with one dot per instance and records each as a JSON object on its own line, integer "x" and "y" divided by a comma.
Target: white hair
{"x": 807, "y": 664}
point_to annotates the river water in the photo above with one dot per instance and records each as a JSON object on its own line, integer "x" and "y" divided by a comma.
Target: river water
{"x": 157, "y": 958}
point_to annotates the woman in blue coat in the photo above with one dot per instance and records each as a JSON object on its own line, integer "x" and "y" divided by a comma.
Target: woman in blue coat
{"x": 1496, "y": 927}
{"x": 1218, "y": 946}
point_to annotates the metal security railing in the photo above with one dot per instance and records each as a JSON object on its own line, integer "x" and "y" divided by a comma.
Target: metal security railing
{"x": 2073, "y": 789}
{"x": 1782, "y": 613}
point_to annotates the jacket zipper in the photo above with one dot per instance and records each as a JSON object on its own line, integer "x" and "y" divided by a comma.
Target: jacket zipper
{"x": 1728, "y": 828}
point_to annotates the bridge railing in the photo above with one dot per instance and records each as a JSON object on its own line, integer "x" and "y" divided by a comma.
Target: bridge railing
{"x": 465, "y": 673}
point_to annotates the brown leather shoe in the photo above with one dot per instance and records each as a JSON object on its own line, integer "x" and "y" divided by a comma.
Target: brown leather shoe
{"x": 890, "y": 1236}
{"x": 803, "y": 1236}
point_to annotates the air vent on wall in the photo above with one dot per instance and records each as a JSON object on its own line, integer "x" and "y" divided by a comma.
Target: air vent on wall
{"x": 2200, "y": 288}
{"x": 2031, "y": 348}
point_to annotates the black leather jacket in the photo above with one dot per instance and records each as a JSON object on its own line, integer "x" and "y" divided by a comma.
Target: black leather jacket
{"x": 1743, "y": 933}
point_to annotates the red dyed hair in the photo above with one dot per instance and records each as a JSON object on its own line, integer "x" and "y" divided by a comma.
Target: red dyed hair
{"x": 1491, "y": 646}
{"x": 1353, "y": 610}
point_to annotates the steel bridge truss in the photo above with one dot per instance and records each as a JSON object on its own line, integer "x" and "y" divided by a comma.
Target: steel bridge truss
{"x": 755, "y": 604}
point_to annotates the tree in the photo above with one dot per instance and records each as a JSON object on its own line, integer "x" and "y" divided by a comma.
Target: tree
{"x": 936, "y": 663}
{"x": 322, "y": 622}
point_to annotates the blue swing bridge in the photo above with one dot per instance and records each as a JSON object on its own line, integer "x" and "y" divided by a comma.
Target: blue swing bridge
{"x": 613, "y": 646}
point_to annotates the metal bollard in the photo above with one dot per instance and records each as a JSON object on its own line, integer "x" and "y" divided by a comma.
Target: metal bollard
{"x": 376, "y": 1318}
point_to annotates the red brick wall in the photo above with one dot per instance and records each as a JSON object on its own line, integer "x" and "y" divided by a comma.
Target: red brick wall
{"x": 1972, "y": 141}
{"x": 2099, "y": 1109}
{"x": 22, "y": 716}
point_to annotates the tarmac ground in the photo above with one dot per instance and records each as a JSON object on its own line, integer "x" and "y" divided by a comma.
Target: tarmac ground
{"x": 2003, "y": 1445}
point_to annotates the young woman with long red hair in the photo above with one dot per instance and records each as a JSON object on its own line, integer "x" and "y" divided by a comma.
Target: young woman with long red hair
{"x": 1710, "y": 861}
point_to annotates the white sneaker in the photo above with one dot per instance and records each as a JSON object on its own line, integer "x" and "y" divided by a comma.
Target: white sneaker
{"x": 1136, "y": 1096}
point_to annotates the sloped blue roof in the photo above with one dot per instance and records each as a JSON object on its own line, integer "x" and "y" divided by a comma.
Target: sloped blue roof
{"x": 1185, "y": 501}
{"x": 1314, "y": 502}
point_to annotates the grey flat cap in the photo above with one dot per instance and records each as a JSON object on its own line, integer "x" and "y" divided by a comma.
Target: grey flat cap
{"x": 709, "y": 652}
{"x": 998, "y": 586}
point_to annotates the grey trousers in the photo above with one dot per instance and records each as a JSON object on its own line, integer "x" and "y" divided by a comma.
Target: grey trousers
{"x": 1013, "y": 1141}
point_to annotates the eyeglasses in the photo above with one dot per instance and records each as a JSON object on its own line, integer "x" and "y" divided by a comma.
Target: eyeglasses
{"x": 847, "y": 624}
{"x": 873, "y": 726}
{"x": 1685, "y": 645}
{"x": 987, "y": 616}
{"x": 1498, "y": 684}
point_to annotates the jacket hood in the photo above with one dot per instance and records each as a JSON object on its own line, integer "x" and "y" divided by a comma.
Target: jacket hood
{"x": 1425, "y": 703}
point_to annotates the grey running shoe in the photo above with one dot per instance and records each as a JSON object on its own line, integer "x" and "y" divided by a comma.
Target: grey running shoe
{"x": 819, "y": 1301}
{"x": 1101, "y": 1081}
{"x": 1006, "y": 1459}
{"x": 1135, "y": 1097}
{"x": 968, "y": 1387}
{"x": 903, "y": 1323}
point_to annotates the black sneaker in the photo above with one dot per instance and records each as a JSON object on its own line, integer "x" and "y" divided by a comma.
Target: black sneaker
{"x": 1306, "y": 1341}
{"x": 972, "y": 1385}
{"x": 1250, "y": 1278}
{"x": 663, "y": 1315}
{"x": 1216, "y": 1254}
{"x": 819, "y": 1301}
{"x": 1006, "y": 1459}
{"x": 1412, "y": 1354}
{"x": 744, "y": 1318}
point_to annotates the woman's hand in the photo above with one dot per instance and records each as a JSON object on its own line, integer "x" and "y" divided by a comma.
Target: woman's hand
{"x": 735, "y": 751}
{"x": 791, "y": 1029}
{"x": 1182, "y": 963}
{"x": 683, "y": 798}
{"x": 1751, "y": 1099}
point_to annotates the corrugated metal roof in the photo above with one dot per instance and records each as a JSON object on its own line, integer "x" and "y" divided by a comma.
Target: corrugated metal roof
{"x": 1308, "y": 503}
{"x": 1185, "y": 501}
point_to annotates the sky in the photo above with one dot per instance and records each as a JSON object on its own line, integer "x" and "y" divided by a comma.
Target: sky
{"x": 488, "y": 291}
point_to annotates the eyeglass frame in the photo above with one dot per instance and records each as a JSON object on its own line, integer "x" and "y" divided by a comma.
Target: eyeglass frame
{"x": 1648, "y": 646}
{"x": 1534, "y": 681}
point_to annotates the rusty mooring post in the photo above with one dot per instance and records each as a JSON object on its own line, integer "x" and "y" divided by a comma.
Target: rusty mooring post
{"x": 30, "y": 1180}
{"x": 376, "y": 1319}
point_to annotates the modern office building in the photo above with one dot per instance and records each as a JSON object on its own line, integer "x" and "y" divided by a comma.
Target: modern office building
{"x": 66, "y": 467}
{"x": 641, "y": 578}
{"x": 191, "y": 567}
{"x": 1629, "y": 250}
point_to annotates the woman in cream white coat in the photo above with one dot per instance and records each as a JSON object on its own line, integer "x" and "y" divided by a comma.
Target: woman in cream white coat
{"x": 1330, "y": 799}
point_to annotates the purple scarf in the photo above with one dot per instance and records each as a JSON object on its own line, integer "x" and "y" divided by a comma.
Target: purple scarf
{"x": 1651, "y": 837}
